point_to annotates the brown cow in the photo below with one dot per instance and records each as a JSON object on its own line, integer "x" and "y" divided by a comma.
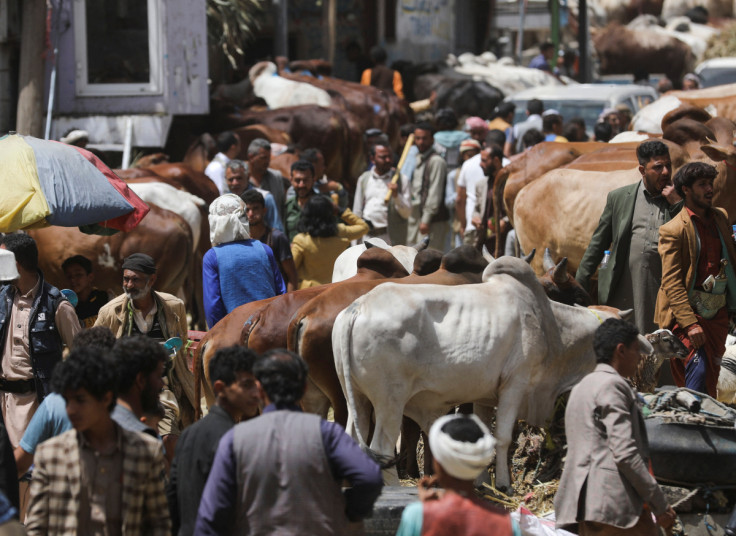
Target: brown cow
{"x": 262, "y": 325}
{"x": 307, "y": 126}
{"x": 622, "y": 50}
{"x": 163, "y": 235}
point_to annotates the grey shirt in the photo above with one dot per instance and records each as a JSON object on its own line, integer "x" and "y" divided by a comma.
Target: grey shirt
{"x": 640, "y": 283}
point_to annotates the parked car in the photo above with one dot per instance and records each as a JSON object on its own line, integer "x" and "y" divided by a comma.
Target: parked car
{"x": 584, "y": 100}
{"x": 717, "y": 71}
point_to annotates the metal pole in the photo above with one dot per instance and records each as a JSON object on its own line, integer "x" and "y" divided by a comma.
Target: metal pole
{"x": 555, "y": 30}
{"x": 52, "y": 91}
{"x": 520, "y": 35}
{"x": 128, "y": 142}
{"x": 583, "y": 40}
{"x": 281, "y": 30}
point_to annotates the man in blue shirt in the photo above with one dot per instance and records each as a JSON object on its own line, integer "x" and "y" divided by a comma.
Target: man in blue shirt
{"x": 237, "y": 270}
{"x": 262, "y": 480}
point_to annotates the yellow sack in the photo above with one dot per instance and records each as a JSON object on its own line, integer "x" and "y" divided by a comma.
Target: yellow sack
{"x": 22, "y": 202}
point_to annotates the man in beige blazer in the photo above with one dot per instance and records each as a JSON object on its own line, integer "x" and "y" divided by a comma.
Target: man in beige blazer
{"x": 606, "y": 487}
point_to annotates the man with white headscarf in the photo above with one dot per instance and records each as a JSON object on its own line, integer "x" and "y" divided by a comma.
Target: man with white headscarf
{"x": 237, "y": 269}
{"x": 462, "y": 447}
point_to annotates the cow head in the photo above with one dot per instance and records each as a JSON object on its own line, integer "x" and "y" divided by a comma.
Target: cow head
{"x": 464, "y": 259}
{"x": 559, "y": 285}
{"x": 382, "y": 262}
{"x": 427, "y": 262}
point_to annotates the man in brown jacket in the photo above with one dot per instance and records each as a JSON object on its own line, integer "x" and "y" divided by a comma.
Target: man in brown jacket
{"x": 698, "y": 292}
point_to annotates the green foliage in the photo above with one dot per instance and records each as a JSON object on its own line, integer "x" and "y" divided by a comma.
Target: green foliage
{"x": 233, "y": 23}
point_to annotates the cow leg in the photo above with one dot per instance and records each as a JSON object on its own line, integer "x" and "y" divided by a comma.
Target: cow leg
{"x": 509, "y": 402}
{"x": 407, "y": 464}
{"x": 314, "y": 400}
{"x": 385, "y": 435}
{"x": 486, "y": 415}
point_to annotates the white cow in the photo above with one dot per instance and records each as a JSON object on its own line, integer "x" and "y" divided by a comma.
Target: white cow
{"x": 279, "y": 92}
{"x": 180, "y": 202}
{"x": 346, "y": 265}
{"x": 419, "y": 350}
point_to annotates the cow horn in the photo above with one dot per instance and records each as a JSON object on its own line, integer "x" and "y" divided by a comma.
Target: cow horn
{"x": 560, "y": 274}
{"x": 626, "y": 314}
{"x": 547, "y": 262}
{"x": 529, "y": 258}
{"x": 487, "y": 254}
{"x": 421, "y": 246}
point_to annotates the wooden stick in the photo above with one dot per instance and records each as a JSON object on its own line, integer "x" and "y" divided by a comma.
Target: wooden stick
{"x": 397, "y": 175}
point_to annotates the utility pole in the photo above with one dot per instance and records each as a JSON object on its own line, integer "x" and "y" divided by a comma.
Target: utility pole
{"x": 583, "y": 40}
{"x": 29, "y": 119}
{"x": 281, "y": 30}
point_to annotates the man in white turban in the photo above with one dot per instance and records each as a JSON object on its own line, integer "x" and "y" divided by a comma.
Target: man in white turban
{"x": 237, "y": 269}
{"x": 462, "y": 447}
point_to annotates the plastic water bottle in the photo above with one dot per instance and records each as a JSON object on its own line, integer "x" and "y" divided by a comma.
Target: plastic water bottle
{"x": 606, "y": 258}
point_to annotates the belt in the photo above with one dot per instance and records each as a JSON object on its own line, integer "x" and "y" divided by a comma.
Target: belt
{"x": 18, "y": 387}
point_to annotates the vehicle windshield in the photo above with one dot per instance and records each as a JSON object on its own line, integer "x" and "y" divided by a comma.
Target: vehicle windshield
{"x": 588, "y": 110}
{"x": 716, "y": 77}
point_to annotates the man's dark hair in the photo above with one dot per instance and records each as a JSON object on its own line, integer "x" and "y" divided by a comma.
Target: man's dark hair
{"x": 495, "y": 136}
{"x": 133, "y": 355}
{"x": 225, "y": 140}
{"x": 88, "y": 368}
{"x": 445, "y": 119}
{"x": 378, "y": 54}
{"x": 24, "y": 248}
{"x": 283, "y": 376}
{"x": 382, "y": 143}
{"x": 253, "y": 196}
{"x": 649, "y": 149}
{"x": 407, "y": 129}
{"x": 79, "y": 260}
{"x": 549, "y": 122}
{"x": 496, "y": 151}
{"x": 535, "y": 107}
{"x": 574, "y": 132}
{"x": 603, "y": 132}
{"x": 547, "y": 45}
{"x": 302, "y": 165}
{"x": 531, "y": 137}
{"x": 691, "y": 172}
{"x": 228, "y": 361}
{"x": 463, "y": 428}
{"x": 317, "y": 218}
{"x": 311, "y": 155}
{"x": 610, "y": 334}
{"x": 99, "y": 337}
{"x": 424, "y": 125}
{"x": 504, "y": 109}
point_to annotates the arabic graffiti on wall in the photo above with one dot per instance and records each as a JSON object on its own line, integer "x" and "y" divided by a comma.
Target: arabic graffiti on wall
{"x": 426, "y": 22}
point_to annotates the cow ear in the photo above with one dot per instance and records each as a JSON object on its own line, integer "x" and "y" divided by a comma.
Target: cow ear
{"x": 715, "y": 152}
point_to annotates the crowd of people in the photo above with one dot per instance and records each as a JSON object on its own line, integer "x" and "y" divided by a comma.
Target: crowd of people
{"x": 99, "y": 408}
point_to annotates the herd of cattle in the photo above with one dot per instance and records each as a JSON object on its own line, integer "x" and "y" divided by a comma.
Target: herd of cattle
{"x": 389, "y": 337}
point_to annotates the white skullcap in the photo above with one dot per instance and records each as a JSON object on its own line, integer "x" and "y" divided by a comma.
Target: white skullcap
{"x": 74, "y": 136}
{"x": 461, "y": 459}
{"x": 228, "y": 221}
{"x": 8, "y": 269}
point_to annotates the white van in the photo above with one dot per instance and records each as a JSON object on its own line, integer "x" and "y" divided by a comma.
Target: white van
{"x": 584, "y": 100}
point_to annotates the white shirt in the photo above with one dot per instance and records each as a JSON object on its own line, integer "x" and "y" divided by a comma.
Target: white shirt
{"x": 215, "y": 170}
{"x": 470, "y": 175}
{"x": 371, "y": 192}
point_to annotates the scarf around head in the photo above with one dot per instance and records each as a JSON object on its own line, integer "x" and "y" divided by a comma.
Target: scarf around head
{"x": 461, "y": 459}
{"x": 228, "y": 221}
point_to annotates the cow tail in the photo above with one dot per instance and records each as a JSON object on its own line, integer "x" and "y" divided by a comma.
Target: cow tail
{"x": 198, "y": 377}
{"x": 347, "y": 361}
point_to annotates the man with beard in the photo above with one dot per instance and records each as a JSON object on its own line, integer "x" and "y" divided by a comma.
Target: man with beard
{"x": 629, "y": 231}
{"x": 157, "y": 315}
{"x": 491, "y": 160}
{"x": 386, "y": 220}
{"x": 698, "y": 291}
